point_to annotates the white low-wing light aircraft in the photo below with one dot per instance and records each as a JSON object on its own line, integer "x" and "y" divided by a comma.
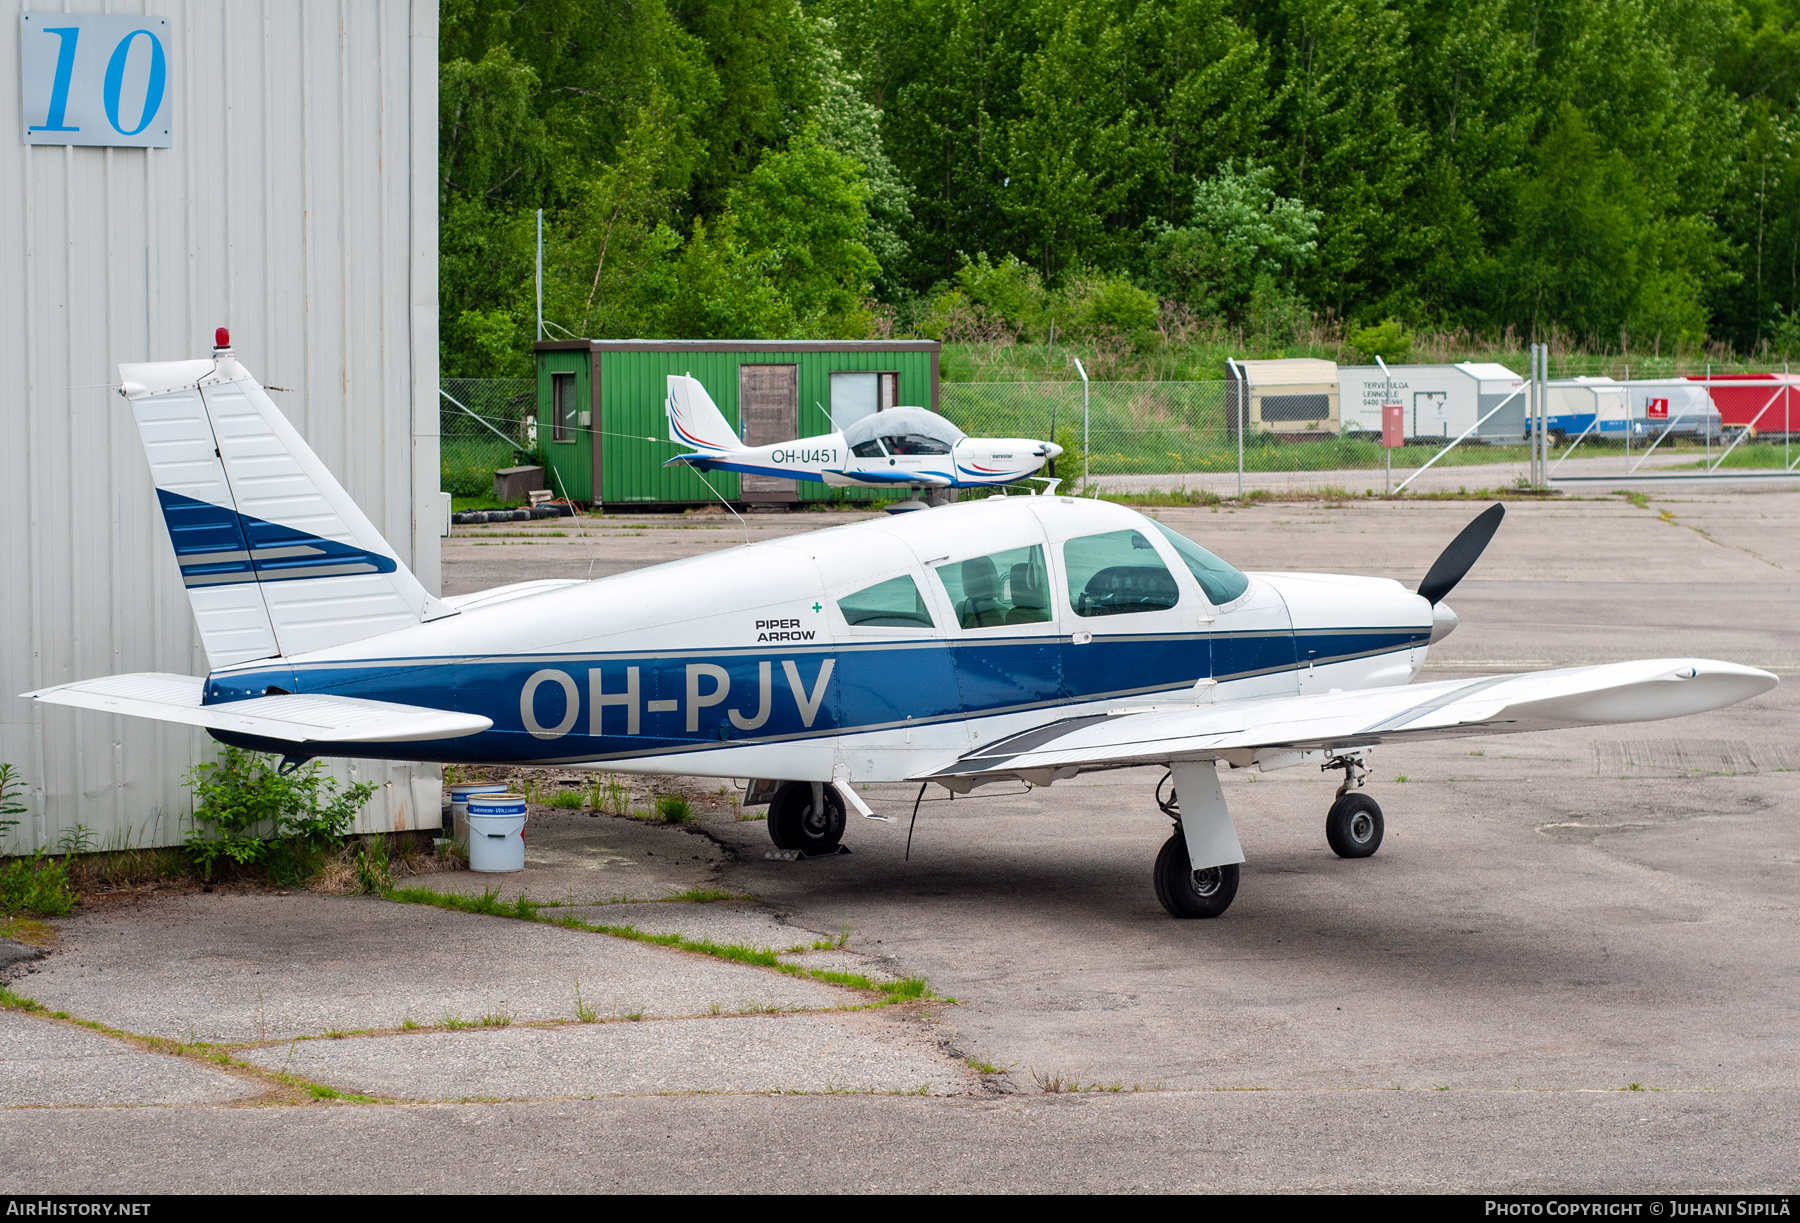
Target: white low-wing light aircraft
{"x": 897, "y": 448}
{"x": 1016, "y": 638}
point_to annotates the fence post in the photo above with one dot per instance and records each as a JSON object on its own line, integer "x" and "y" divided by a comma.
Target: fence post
{"x": 1087, "y": 451}
{"x": 1387, "y": 453}
{"x": 1240, "y": 385}
{"x": 540, "y": 275}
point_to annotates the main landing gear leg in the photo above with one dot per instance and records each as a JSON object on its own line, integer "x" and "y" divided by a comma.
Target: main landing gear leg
{"x": 1353, "y": 826}
{"x": 1197, "y": 870}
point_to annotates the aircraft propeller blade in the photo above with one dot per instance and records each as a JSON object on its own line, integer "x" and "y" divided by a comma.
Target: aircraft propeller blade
{"x": 1460, "y": 557}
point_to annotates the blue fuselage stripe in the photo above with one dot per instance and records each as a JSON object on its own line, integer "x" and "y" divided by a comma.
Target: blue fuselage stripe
{"x": 694, "y": 700}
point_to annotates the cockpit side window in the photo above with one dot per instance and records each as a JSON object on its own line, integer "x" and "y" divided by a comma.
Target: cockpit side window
{"x": 1002, "y": 588}
{"x": 1116, "y": 574}
{"x": 870, "y": 449}
{"x": 893, "y": 603}
{"x": 1220, "y": 581}
{"x": 916, "y": 443}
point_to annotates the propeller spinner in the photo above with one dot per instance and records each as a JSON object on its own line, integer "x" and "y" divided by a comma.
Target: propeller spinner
{"x": 1460, "y": 557}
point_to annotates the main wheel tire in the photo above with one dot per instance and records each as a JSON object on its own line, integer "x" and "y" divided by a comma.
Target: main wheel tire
{"x": 1186, "y": 892}
{"x": 1354, "y": 826}
{"x": 793, "y": 824}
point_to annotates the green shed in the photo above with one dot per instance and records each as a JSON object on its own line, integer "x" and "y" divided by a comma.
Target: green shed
{"x": 602, "y": 430}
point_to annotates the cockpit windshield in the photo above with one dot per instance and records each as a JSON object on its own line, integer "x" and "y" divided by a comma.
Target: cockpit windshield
{"x": 1220, "y": 581}
{"x": 916, "y": 425}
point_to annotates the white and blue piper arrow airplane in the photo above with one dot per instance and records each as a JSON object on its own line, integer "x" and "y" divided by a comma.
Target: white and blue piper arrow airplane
{"x": 1021, "y": 638}
{"x": 897, "y": 448}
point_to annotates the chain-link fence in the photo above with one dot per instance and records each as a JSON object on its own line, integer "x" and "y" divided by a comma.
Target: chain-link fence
{"x": 1139, "y": 436}
{"x": 1143, "y": 435}
{"x": 484, "y": 424}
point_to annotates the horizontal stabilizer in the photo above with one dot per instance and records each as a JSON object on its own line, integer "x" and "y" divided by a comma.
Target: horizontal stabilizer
{"x": 1542, "y": 700}
{"x": 296, "y": 718}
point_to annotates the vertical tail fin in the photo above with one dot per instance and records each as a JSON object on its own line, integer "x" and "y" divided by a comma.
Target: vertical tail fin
{"x": 276, "y": 557}
{"x": 694, "y": 420}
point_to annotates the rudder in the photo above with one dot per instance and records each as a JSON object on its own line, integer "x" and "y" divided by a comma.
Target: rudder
{"x": 276, "y": 557}
{"x": 695, "y": 420}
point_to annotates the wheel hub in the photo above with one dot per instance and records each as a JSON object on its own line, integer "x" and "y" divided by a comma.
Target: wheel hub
{"x": 1361, "y": 828}
{"x": 1206, "y": 882}
{"x": 816, "y": 822}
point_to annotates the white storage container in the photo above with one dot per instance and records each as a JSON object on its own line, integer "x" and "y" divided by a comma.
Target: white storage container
{"x": 497, "y": 833}
{"x": 1441, "y": 401}
{"x": 459, "y": 803}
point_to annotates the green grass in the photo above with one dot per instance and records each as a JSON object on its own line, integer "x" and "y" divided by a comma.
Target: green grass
{"x": 488, "y": 903}
{"x": 1755, "y": 456}
{"x": 705, "y": 895}
{"x": 568, "y": 800}
{"x": 674, "y": 809}
{"x": 907, "y": 989}
{"x": 19, "y": 1002}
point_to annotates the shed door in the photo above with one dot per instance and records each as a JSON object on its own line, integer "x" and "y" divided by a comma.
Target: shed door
{"x": 768, "y": 404}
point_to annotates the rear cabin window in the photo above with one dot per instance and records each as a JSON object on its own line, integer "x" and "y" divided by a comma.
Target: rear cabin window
{"x": 1116, "y": 574}
{"x": 1011, "y": 587}
{"x": 1220, "y": 581}
{"x": 894, "y": 603}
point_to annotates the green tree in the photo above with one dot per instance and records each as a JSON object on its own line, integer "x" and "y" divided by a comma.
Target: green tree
{"x": 802, "y": 214}
{"x": 1238, "y": 230}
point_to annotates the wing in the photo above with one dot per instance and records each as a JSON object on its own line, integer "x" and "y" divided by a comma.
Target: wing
{"x": 1261, "y": 732}
{"x": 297, "y": 718}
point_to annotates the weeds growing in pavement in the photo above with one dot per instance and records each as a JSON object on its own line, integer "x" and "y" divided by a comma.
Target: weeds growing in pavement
{"x": 609, "y": 796}
{"x": 18, "y": 1002}
{"x": 583, "y": 1011}
{"x": 906, "y": 989}
{"x": 567, "y": 800}
{"x": 704, "y": 895}
{"x": 674, "y": 809}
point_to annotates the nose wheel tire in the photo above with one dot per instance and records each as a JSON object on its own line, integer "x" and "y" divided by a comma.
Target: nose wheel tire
{"x": 1354, "y": 826}
{"x": 794, "y": 824}
{"x": 1186, "y": 892}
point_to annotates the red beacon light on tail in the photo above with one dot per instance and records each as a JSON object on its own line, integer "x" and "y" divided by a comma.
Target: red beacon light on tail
{"x": 222, "y": 338}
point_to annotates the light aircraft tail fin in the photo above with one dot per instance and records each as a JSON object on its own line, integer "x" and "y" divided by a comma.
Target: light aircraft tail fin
{"x": 276, "y": 557}
{"x": 694, "y": 420}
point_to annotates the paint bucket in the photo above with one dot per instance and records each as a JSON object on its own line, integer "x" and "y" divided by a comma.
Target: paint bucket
{"x": 496, "y": 832}
{"x": 459, "y": 803}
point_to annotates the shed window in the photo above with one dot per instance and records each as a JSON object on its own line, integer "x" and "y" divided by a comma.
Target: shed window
{"x": 856, "y": 395}
{"x": 1117, "y": 573}
{"x": 895, "y": 602}
{"x": 562, "y": 407}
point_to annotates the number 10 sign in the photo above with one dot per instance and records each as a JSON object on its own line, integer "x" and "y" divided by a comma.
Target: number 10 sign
{"x": 92, "y": 79}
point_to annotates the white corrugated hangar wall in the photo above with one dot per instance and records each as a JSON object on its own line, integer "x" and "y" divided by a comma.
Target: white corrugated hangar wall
{"x": 296, "y": 204}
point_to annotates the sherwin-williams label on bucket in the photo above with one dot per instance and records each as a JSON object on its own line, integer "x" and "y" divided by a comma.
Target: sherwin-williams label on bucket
{"x": 496, "y": 804}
